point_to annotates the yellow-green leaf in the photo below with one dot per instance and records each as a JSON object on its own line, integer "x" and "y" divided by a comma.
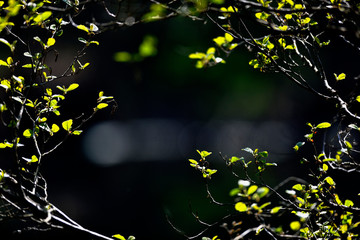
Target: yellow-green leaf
{"x": 67, "y": 124}
{"x": 50, "y": 42}
{"x": 283, "y": 28}
{"x": 241, "y": 207}
{"x": 76, "y": 132}
{"x": 82, "y": 27}
{"x": 323, "y": 125}
{"x": 42, "y": 16}
{"x": 295, "y": 225}
{"x": 329, "y": 180}
{"x": 33, "y": 159}
{"x": 101, "y": 105}
{"x": 118, "y": 236}
{"x": 73, "y": 86}
{"x": 27, "y": 133}
{"x": 325, "y": 167}
{"x": 275, "y": 210}
{"x": 349, "y": 203}
{"x": 55, "y": 128}
{"x": 219, "y": 41}
{"x": 3, "y": 63}
{"x": 198, "y": 55}
{"x": 228, "y": 37}
{"x": 298, "y": 187}
{"x": 252, "y": 189}
{"x": 339, "y": 77}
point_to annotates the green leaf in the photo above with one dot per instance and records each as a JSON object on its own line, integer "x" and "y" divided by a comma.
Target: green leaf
{"x": 298, "y": 187}
{"x": 275, "y": 210}
{"x": 323, "y": 125}
{"x": 197, "y": 55}
{"x": 192, "y": 161}
{"x": 42, "y": 16}
{"x": 72, "y": 87}
{"x": 82, "y": 27}
{"x": 348, "y": 145}
{"x": 101, "y": 105}
{"x": 148, "y": 47}
{"x": 295, "y": 225}
{"x": 32, "y": 160}
{"x": 349, "y": 203}
{"x": 26, "y": 65}
{"x": 329, "y": 180}
{"x": 76, "y": 132}
{"x": 298, "y": 145}
{"x": 264, "y": 154}
{"x": 55, "y": 128}
{"x": 241, "y": 207}
{"x": 83, "y": 40}
{"x": 264, "y": 205}
{"x": 3, "y": 63}
{"x": 219, "y": 40}
{"x": 329, "y": 159}
{"x": 234, "y": 192}
{"x": 50, "y": 42}
{"x": 27, "y": 133}
{"x": 262, "y": 191}
{"x": 204, "y": 154}
{"x": 67, "y": 125}
{"x": 118, "y": 236}
{"x": 2, "y": 174}
{"x": 122, "y": 57}
{"x": 235, "y": 159}
{"x": 252, "y": 189}
{"x": 339, "y": 77}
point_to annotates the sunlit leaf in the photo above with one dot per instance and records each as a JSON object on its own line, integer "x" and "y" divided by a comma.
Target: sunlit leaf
{"x": 76, "y": 132}
{"x": 101, "y": 105}
{"x": 329, "y": 180}
{"x": 295, "y": 225}
{"x": 42, "y": 16}
{"x": 323, "y": 125}
{"x": 27, "y": 133}
{"x": 339, "y": 77}
{"x": 3, "y": 63}
{"x": 67, "y": 124}
{"x": 275, "y": 210}
{"x": 82, "y": 27}
{"x": 349, "y": 203}
{"x": 298, "y": 187}
{"x": 219, "y": 40}
{"x": 198, "y": 55}
{"x": 118, "y": 236}
{"x": 241, "y": 207}
{"x": 72, "y": 87}
{"x": 55, "y": 128}
{"x": 252, "y": 189}
{"x": 50, "y": 42}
